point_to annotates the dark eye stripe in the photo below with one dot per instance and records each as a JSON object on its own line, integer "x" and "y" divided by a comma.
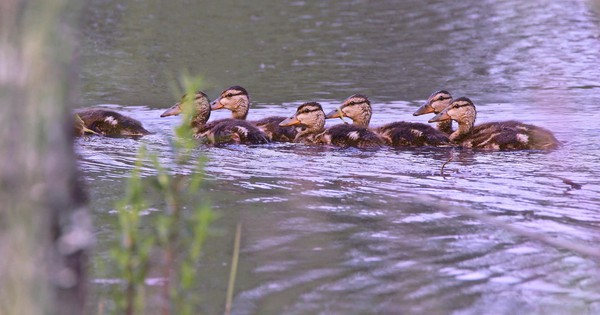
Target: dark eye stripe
{"x": 230, "y": 95}
{"x": 355, "y": 103}
{"x": 308, "y": 110}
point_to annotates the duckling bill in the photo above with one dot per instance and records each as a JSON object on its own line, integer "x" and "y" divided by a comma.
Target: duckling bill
{"x": 436, "y": 103}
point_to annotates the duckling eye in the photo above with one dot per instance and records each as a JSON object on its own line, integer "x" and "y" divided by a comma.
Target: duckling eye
{"x": 229, "y": 95}
{"x": 351, "y": 103}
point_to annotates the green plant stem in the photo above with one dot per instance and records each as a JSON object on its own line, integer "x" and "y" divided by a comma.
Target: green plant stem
{"x": 130, "y": 296}
{"x": 172, "y": 234}
{"x": 172, "y": 238}
{"x": 234, "y": 265}
{"x": 167, "y": 276}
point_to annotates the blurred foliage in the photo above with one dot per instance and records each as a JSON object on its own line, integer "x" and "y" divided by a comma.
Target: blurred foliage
{"x": 176, "y": 235}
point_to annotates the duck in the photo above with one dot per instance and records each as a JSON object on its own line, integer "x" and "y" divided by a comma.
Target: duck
{"x": 504, "y": 136}
{"x": 107, "y": 123}
{"x": 220, "y": 131}
{"x": 309, "y": 120}
{"x": 237, "y": 100}
{"x": 436, "y": 103}
{"x": 358, "y": 108}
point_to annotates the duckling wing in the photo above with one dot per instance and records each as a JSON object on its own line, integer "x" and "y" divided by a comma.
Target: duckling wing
{"x": 510, "y": 135}
{"x": 352, "y": 136}
{"x": 407, "y": 134}
{"x": 233, "y": 131}
{"x": 270, "y": 126}
{"x": 111, "y": 123}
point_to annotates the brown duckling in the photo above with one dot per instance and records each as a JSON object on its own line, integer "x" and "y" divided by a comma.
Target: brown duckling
{"x": 505, "y": 135}
{"x": 398, "y": 134}
{"x": 237, "y": 100}
{"x": 107, "y": 123}
{"x": 436, "y": 103}
{"x": 218, "y": 131}
{"x": 310, "y": 121}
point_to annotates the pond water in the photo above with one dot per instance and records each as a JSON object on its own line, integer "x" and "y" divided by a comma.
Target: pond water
{"x": 348, "y": 231}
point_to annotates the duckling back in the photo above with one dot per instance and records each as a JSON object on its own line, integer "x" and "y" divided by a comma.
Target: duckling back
{"x": 111, "y": 123}
{"x": 232, "y": 131}
{"x": 270, "y": 126}
{"x": 344, "y": 135}
{"x": 407, "y": 134}
{"x": 509, "y": 135}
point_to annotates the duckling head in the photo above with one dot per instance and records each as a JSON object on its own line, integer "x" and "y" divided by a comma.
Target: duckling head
{"x": 436, "y": 103}
{"x": 356, "y": 107}
{"x": 235, "y": 99}
{"x": 201, "y": 108}
{"x": 309, "y": 117}
{"x": 461, "y": 110}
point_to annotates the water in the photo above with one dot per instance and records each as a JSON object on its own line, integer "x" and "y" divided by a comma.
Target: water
{"x": 346, "y": 231}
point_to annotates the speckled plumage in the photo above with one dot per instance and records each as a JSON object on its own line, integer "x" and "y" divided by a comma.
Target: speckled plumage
{"x": 504, "y": 136}
{"x": 507, "y": 136}
{"x": 409, "y": 134}
{"x": 108, "y": 123}
{"x": 232, "y": 131}
{"x": 270, "y": 126}
{"x": 345, "y": 135}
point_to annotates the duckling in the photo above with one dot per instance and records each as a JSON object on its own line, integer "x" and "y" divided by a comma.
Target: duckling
{"x": 399, "y": 134}
{"x": 237, "y": 100}
{"x": 505, "y": 135}
{"x": 107, "y": 123}
{"x": 310, "y": 119}
{"x": 218, "y": 131}
{"x": 436, "y": 103}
